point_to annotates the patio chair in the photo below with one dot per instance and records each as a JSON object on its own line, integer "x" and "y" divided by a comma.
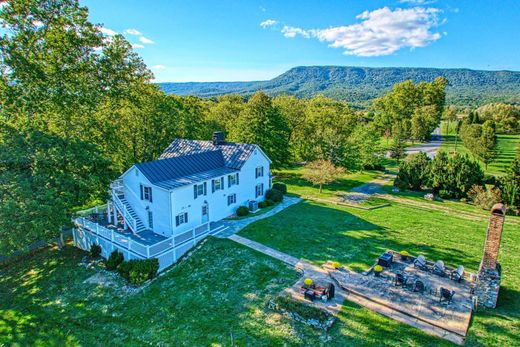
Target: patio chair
{"x": 309, "y": 295}
{"x": 420, "y": 263}
{"x": 439, "y": 268}
{"x": 458, "y": 274}
{"x": 446, "y": 295}
{"x": 418, "y": 286}
{"x": 400, "y": 280}
{"x": 330, "y": 291}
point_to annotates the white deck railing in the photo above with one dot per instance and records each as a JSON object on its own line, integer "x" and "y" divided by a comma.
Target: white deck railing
{"x": 129, "y": 219}
{"x": 137, "y": 247}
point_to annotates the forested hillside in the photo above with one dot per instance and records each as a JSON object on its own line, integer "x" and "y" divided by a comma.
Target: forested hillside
{"x": 358, "y": 85}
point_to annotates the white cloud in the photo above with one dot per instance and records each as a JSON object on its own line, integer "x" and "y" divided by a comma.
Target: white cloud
{"x": 131, "y": 31}
{"x": 137, "y": 45}
{"x": 291, "y": 32}
{"x": 380, "y": 32}
{"x": 107, "y": 31}
{"x": 146, "y": 40}
{"x": 159, "y": 67}
{"x": 268, "y": 23}
{"x": 417, "y": 2}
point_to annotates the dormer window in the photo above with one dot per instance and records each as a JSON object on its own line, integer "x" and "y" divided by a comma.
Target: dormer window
{"x": 260, "y": 171}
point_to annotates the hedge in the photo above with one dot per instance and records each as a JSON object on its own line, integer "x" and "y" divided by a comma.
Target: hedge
{"x": 114, "y": 260}
{"x": 242, "y": 211}
{"x": 138, "y": 271}
{"x": 95, "y": 250}
{"x": 281, "y": 187}
{"x": 274, "y": 195}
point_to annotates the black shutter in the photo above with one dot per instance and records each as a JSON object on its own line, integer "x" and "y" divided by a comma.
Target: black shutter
{"x": 185, "y": 217}
{"x": 237, "y": 178}
{"x": 262, "y": 171}
{"x": 229, "y": 181}
{"x": 205, "y": 190}
{"x": 141, "y": 186}
{"x": 213, "y": 186}
{"x": 151, "y": 199}
{"x": 256, "y": 173}
{"x": 195, "y": 192}
{"x": 222, "y": 183}
{"x": 177, "y": 220}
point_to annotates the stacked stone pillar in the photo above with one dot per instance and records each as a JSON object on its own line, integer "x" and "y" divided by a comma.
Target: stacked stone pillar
{"x": 488, "y": 282}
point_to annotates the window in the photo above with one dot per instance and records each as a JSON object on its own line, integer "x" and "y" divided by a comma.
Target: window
{"x": 150, "y": 219}
{"x": 231, "y": 199}
{"x": 259, "y": 190}
{"x": 146, "y": 193}
{"x": 199, "y": 189}
{"x": 259, "y": 171}
{"x": 181, "y": 218}
{"x": 217, "y": 184}
{"x": 232, "y": 179}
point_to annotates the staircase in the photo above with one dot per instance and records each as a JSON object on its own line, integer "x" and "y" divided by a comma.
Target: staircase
{"x": 128, "y": 213}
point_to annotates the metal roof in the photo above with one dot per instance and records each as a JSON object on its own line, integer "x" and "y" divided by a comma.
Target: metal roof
{"x": 180, "y": 170}
{"x": 234, "y": 154}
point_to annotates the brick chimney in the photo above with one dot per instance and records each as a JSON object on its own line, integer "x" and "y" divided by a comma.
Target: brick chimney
{"x": 488, "y": 283}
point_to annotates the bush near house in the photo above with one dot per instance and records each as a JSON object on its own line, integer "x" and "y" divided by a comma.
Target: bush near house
{"x": 281, "y": 187}
{"x": 262, "y": 204}
{"x": 95, "y": 251}
{"x": 114, "y": 260}
{"x": 138, "y": 271}
{"x": 242, "y": 211}
{"x": 269, "y": 202}
{"x": 274, "y": 195}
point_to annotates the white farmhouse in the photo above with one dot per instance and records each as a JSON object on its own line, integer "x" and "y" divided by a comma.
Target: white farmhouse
{"x": 163, "y": 207}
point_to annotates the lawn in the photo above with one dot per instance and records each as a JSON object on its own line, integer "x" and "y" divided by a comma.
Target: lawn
{"x": 506, "y": 149}
{"x": 297, "y": 185}
{"x": 217, "y": 297}
{"x": 319, "y": 232}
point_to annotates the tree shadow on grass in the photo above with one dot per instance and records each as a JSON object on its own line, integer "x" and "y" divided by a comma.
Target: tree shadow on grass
{"x": 319, "y": 232}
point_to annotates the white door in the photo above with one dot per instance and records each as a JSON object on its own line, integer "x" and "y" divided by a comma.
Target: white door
{"x": 205, "y": 212}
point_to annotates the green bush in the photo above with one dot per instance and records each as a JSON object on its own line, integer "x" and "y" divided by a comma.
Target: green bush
{"x": 242, "y": 211}
{"x": 95, "y": 250}
{"x": 269, "y": 202}
{"x": 281, "y": 187}
{"x": 138, "y": 271}
{"x": 274, "y": 195}
{"x": 114, "y": 260}
{"x": 262, "y": 204}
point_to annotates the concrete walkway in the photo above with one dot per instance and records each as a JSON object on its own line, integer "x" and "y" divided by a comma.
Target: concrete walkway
{"x": 318, "y": 274}
{"x": 230, "y": 227}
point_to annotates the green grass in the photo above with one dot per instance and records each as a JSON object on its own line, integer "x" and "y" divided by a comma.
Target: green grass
{"x": 298, "y": 186}
{"x": 320, "y": 232}
{"x": 506, "y": 148}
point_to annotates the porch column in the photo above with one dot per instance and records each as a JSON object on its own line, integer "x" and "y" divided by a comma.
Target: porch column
{"x": 109, "y": 213}
{"x": 114, "y": 211}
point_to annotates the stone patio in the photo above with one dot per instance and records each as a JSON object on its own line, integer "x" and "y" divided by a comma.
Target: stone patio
{"x": 424, "y": 310}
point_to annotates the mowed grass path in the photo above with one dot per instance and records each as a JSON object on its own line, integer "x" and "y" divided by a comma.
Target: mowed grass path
{"x": 506, "y": 149}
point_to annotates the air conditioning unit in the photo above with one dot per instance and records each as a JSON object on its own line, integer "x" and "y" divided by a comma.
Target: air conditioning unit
{"x": 253, "y": 206}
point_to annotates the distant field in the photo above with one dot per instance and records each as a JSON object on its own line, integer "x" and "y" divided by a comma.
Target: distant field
{"x": 506, "y": 148}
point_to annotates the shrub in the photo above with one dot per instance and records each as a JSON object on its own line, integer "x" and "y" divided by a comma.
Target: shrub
{"x": 138, "y": 271}
{"x": 336, "y": 264}
{"x": 485, "y": 198}
{"x": 281, "y": 187}
{"x": 378, "y": 268}
{"x": 114, "y": 260}
{"x": 95, "y": 250}
{"x": 269, "y": 202}
{"x": 242, "y": 211}
{"x": 262, "y": 204}
{"x": 274, "y": 194}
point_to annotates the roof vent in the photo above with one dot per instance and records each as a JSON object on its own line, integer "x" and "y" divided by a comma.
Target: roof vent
{"x": 218, "y": 137}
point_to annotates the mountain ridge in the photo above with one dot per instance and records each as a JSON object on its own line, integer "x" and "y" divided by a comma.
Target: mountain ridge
{"x": 359, "y": 85}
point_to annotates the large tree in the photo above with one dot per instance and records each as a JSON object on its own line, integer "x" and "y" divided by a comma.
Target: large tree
{"x": 321, "y": 172}
{"x": 261, "y": 123}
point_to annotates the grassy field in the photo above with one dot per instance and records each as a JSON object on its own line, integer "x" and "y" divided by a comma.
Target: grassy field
{"x": 506, "y": 148}
{"x": 299, "y": 186}
{"x": 450, "y": 231}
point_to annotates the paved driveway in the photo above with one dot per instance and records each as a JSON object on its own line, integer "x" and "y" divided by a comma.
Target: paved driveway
{"x": 431, "y": 147}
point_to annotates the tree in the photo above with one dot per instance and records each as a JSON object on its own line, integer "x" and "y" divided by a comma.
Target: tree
{"x": 261, "y": 123}
{"x": 506, "y": 117}
{"x": 450, "y": 116}
{"x": 511, "y": 185}
{"x": 413, "y": 172}
{"x": 292, "y": 110}
{"x": 488, "y": 141}
{"x": 321, "y": 172}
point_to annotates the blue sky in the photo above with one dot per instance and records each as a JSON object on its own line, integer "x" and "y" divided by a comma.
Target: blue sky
{"x": 226, "y": 40}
